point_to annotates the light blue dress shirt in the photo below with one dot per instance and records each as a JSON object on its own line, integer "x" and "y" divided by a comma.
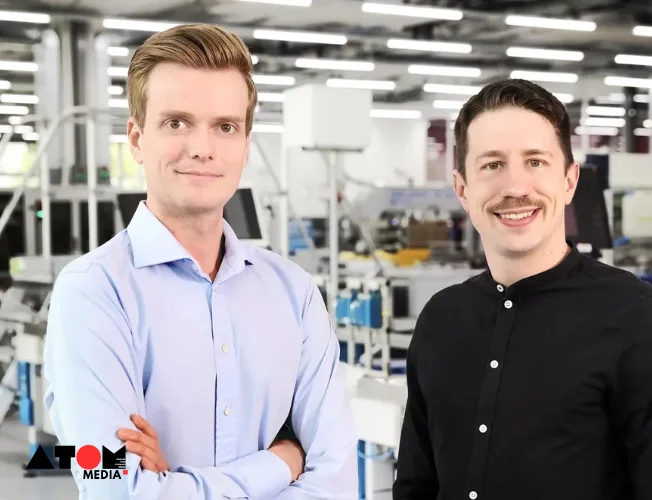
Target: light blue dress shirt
{"x": 135, "y": 327}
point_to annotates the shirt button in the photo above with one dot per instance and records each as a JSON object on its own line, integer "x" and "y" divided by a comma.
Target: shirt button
{"x": 227, "y": 411}
{"x": 473, "y": 495}
{"x": 225, "y": 348}
{"x": 508, "y": 304}
{"x": 494, "y": 364}
{"x": 483, "y": 428}
{"x": 500, "y": 288}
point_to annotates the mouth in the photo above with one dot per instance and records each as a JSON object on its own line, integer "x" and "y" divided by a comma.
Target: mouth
{"x": 518, "y": 218}
{"x": 200, "y": 176}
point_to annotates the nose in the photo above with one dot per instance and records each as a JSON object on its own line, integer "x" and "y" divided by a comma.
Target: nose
{"x": 201, "y": 145}
{"x": 516, "y": 182}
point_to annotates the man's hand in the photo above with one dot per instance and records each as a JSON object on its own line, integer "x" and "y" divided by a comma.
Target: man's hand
{"x": 291, "y": 453}
{"x": 144, "y": 444}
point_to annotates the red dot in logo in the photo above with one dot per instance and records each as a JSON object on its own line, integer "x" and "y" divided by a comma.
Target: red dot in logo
{"x": 88, "y": 457}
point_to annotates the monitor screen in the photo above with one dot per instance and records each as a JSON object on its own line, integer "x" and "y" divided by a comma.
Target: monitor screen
{"x": 586, "y": 217}
{"x": 240, "y": 212}
{"x": 128, "y": 204}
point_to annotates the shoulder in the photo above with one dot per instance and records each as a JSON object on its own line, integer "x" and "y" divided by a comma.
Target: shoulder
{"x": 96, "y": 270}
{"x": 621, "y": 285}
{"x": 458, "y": 296}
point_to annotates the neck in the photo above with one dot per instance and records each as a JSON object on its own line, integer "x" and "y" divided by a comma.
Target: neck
{"x": 507, "y": 269}
{"x": 200, "y": 234}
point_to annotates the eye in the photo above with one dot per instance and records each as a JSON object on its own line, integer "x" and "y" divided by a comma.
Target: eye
{"x": 492, "y": 166}
{"x": 227, "y": 128}
{"x": 536, "y": 163}
{"x": 175, "y": 124}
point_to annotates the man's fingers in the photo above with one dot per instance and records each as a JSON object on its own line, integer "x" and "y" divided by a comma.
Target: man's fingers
{"x": 142, "y": 451}
{"x": 144, "y": 426}
{"x": 149, "y": 465}
{"x": 138, "y": 437}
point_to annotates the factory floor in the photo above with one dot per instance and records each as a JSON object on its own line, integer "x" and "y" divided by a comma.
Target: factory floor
{"x": 13, "y": 454}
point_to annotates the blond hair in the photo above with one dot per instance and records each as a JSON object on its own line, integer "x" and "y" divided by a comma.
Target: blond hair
{"x": 201, "y": 46}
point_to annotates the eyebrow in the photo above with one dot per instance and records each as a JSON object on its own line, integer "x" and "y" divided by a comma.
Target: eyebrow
{"x": 184, "y": 115}
{"x": 498, "y": 154}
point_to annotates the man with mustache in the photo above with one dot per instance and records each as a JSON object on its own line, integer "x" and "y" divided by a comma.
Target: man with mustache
{"x": 532, "y": 380}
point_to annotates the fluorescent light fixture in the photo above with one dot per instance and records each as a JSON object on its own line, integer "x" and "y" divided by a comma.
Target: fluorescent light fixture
{"x": 15, "y": 120}
{"x": 23, "y": 129}
{"x": 6, "y": 129}
{"x": 254, "y": 60}
{"x": 136, "y": 25}
{"x": 596, "y": 131}
{"x": 647, "y": 123}
{"x": 270, "y": 97}
{"x": 541, "y": 76}
{"x": 594, "y": 121}
{"x": 429, "y": 46}
{"x": 642, "y": 31}
{"x": 564, "y": 98}
{"x": 412, "y": 11}
{"x": 8, "y": 109}
{"x": 118, "y": 51}
{"x": 267, "y": 128}
{"x": 446, "y": 104}
{"x": 605, "y": 111}
{"x": 119, "y": 138}
{"x": 641, "y": 98}
{"x": 18, "y": 99}
{"x": 5, "y": 84}
{"x": 554, "y": 55}
{"x": 550, "y": 23}
{"x": 622, "y": 81}
{"x": 274, "y": 80}
{"x": 344, "y": 83}
{"x": 288, "y": 3}
{"x": 405, "y": 114}
{"x": 643, "y": 132}
{"x": 442, "y": 88}
{"x": 633, "y": 60}
{"x": 423, "y": 69}
{"x": 334, "y": 64}
{"x": 118, "y": 71}
{"x": 118, "y": 103}
{"x": 24, "y": 17}
{"x": 18, "y": 66}
{"x": 115, "y": 90}
{"x": 300, "y": 37}
{"x": 31, "y": 136}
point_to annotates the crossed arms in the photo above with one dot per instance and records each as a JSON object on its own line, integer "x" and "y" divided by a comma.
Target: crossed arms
{"x": 94, "y": 389}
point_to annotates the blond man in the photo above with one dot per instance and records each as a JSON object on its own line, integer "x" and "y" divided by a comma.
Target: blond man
{"x": 177, "y": 340}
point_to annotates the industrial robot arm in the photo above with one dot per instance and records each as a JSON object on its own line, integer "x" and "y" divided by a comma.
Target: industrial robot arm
{"x": 416, "y": 477}
{"x": 322, "y": 418}
{"x": 95, "y": 386}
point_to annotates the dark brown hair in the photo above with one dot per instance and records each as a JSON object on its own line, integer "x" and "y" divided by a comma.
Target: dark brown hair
{"x": 519, "y": 94}
{"x": 201, "y": 46}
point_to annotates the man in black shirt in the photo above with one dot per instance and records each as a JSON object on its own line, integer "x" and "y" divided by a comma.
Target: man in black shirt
{"x": 532, "y": 380}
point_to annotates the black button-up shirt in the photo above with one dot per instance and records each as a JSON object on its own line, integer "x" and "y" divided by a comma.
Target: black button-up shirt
{"x": 537, "y": 391}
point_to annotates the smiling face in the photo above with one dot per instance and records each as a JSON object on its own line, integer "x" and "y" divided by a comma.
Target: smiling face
{"x": 516, "y": 185}
{"x": 193, "y": 144}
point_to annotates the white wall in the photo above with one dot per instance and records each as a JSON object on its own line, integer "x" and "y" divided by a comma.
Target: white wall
{"x": 398, "y": 150}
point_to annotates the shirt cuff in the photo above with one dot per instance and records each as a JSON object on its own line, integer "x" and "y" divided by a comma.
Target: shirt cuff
{"x": 267, "y": 475}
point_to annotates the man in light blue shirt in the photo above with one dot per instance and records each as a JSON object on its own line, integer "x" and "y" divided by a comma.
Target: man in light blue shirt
{"x": 210, "y": 340}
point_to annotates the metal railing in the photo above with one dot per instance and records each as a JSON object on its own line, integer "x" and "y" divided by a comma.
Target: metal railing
{"x": 39, "y": 164}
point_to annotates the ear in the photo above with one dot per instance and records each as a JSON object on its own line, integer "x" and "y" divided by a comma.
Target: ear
{"x": 459, "y": 185}
{"x": 572, "y": 178}
{"x": 134, "y": 134}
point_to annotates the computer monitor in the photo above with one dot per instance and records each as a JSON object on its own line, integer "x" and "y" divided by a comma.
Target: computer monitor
{"x": 586, "y": 217}
{"x": 128, "y": 204}
{"x": 241, "y": 212}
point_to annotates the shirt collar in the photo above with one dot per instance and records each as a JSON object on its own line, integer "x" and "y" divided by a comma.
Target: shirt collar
{"x": 152, "y": 243}
{"x": 532, "y": 284}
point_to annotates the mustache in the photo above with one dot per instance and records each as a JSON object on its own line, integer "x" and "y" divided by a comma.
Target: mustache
{"x": 514, "y": 203}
